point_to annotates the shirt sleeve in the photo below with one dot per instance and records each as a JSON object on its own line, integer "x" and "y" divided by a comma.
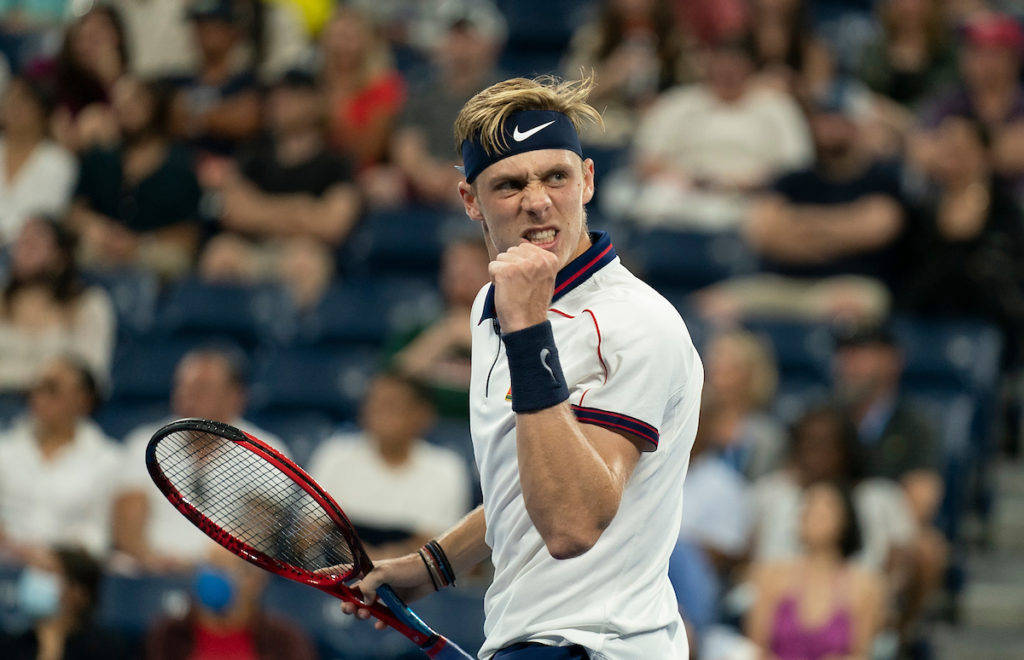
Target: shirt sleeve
{"x": 638, "y": 361}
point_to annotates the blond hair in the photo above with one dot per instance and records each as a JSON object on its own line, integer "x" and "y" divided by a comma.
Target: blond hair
{"x": 484, "y": 115}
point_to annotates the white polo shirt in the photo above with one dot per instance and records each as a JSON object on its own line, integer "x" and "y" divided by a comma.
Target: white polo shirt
{"x": 65, "y": 499}
{"x": 630, "y": 365}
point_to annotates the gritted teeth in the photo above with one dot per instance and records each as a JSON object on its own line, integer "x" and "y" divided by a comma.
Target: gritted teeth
{"x": 541, "y": 236}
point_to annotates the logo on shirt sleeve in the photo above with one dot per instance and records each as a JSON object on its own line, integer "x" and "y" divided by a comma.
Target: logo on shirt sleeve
{"x": 508, "y": 397}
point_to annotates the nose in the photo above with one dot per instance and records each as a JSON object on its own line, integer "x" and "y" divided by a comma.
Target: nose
{"x": 536, "y": 201}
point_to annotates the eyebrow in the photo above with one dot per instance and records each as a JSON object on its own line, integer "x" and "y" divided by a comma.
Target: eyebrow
{"x": 520, "y": 180}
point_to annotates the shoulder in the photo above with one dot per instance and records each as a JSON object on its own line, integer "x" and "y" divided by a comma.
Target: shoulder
{"x": 623, "y": 304}
{"x": 439, "y": 457}
{"x": 338, "y": 447}
{"x": 56, "y": 155}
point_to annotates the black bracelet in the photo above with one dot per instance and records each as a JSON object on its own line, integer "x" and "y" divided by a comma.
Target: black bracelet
{"x": 430, "y": 570}
{"x": 448, "y": 574}
{"x": 536, "y": 373}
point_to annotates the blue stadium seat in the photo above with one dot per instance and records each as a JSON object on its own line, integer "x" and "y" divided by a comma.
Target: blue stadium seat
{"x": 689, "y": 260}
{"x": 143, "y": 368}
{"x": 406, "y": 241}
{"x": 312, "y": 379}
{"x": 542, "y": 24}
{"x": 134, "y": 294}
{"x": 243, "y": 314}
{"x": 950, "y": 355}
{"x": 132, "y": 605}
{"x": 302, "y": 432}
{"x": 803, "y": 351}
{"x": 365, "y": 311}
{"x": 10, "y": 619}
{"x": 12, "y": 405}
{"x": 458, "y": 614}
{"x": 119, "y": 418}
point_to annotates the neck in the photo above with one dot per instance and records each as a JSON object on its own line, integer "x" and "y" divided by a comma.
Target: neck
{"x": 824, "y": 557}
{"x": 395, "y": 455}
{"x": 54, "y": 436}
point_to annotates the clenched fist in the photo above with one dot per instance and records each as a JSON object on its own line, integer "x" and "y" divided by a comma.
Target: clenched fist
{"x": 524, "y": 281}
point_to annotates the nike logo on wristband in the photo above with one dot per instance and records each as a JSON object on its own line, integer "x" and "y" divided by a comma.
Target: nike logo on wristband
{"x": 544, "y": 353}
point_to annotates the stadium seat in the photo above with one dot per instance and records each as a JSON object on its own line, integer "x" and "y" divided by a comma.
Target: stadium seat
{"x": 12, "y": 405}
{"x": 243, "y": 314}
{"x": 301, "y": 432}
{"x": 9, "y": 616}
{"x": 119, "y": 418}
{"x": 131, "y": 604}
{"x": 143, "y": 368}
{"x": 950, "y": 355}
{"x": 803, "y": 351}
{"x": 366, "y": 311}
{"x": 406, "y": 241}
{"x": 689, "y": 260}
{"x": 311, "y": 379}
{"x": 134, "y": 295}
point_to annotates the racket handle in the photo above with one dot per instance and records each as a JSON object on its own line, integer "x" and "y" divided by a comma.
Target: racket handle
{"x": 438, "y": 646}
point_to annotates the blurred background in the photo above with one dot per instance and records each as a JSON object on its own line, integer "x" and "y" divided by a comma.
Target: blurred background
{"x": 245, "y": 210}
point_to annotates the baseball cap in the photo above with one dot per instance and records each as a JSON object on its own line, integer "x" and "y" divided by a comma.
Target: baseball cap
{"x": 844, "y": 97}
{"x": 211, "y": 10}
{"x": 864, "y": 334}
{"x": 994, "y": 31}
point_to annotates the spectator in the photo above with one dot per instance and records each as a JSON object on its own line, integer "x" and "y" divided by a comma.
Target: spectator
{"x": 636, "y": 53}
{"x": 289, "y": 187}
{"x": 437, "y": 354}
{"x": 783, "y": 39}
{"x": 823, "y": 447}
{"x": 226, "y": 619}
{"x": 209, "y": 383}
{"x": 990, "y": 95}
{"x": 47, "y": 310}
{"x": 61, "y": 598}
{"x": 137, "y": 202}
{"x": 467, "y": 40}
{"x": 409, "y": 491}
{"x": 217, "y": 107}
{"x": 36, "y": 175}
{"x": 703, "y": 148}
{"x": 93, "y": 57}
{"x": 717, "y": 521}
{"x": 57, "y": 468}
{"x": 741, "y": 378}
{"x": 897, "y": 443}
{"x": 966, "y": 249}
{"x": 848, "y": 601}
{"x": 826, "y": 234}
{"x": 913, "y": 56}
{"x": 364, "y": 92}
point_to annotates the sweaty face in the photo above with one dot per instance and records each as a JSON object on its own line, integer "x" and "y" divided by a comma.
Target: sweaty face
{"x": 534, "y": 197}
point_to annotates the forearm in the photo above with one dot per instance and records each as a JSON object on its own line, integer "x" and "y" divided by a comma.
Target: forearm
{"x": 464, "y": 543}
{"x": 570, "y": 492}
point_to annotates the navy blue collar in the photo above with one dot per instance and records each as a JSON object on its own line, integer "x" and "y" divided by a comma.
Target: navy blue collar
{"x": 600, "y": 253}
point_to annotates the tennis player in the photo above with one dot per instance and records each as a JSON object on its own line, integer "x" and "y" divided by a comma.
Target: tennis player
{"x": 584, "y": 401}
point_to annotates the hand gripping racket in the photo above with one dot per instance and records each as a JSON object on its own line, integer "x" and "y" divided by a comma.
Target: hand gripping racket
{"x": 258, "y": 504}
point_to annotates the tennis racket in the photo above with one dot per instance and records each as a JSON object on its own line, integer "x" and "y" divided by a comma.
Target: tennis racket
{"x": 258, "y": 504}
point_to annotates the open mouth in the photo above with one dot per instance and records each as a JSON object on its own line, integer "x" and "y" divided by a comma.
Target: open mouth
{"x": 542, "y": 237}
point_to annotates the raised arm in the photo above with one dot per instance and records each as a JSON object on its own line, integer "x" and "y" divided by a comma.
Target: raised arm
{"x": 572, "y": 475}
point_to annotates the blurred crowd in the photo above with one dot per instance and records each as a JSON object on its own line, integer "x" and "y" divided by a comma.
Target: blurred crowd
{"x": 825, "y": 190}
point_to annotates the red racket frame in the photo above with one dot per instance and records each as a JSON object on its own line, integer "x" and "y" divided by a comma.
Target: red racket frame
{"x": 331, "y": 584}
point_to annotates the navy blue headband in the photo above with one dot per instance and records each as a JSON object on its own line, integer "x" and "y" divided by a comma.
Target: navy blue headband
{"x": 526, "y": 130}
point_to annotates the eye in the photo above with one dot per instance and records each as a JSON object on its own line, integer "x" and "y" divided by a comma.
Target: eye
{"x": 559, "y": 177}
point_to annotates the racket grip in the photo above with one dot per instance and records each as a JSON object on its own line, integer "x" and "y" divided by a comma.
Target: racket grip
{"x": 438, "y": 646}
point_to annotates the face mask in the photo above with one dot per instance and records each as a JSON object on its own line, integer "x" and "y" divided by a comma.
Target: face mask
{"x": 213, "y": 589}
{"x": 38, "y": 593}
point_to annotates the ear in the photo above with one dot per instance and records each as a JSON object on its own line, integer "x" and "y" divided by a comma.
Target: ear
{"x": 470, "y": 201}
{"x": 588, "y": 180}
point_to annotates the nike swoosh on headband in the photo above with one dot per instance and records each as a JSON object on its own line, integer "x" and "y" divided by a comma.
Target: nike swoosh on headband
{"x": 519, "y": 137}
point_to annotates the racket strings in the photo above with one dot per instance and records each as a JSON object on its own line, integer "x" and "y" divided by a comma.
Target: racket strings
{"x": 253, "y": 501}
